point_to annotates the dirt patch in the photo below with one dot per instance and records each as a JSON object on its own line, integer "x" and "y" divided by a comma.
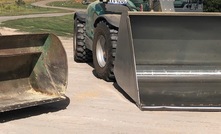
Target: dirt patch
{"x": 9, "y": 31}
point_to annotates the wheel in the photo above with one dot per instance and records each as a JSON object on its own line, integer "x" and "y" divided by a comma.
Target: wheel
{"x": 81, "y": 53}
{"x": 104, "y": 50}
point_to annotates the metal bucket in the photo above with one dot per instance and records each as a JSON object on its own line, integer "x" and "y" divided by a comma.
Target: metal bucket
{"x": 170, "y": 60}
{"x": 33, "y": 70}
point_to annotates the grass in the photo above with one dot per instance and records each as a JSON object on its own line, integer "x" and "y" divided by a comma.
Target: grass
{"x": 61, "y": 26}
{"x": 10, "y": 8}
{"x": 68, "y": 3}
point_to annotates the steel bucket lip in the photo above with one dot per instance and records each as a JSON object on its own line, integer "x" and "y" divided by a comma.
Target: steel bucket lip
{"x": 180, "y": 14}
{"x": 34, "y": 103}
{"x": 177, "y": 108}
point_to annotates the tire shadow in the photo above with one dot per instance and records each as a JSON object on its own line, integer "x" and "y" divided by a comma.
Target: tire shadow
{"x": 90, "y": 64}
{"x": 34, "y": 111}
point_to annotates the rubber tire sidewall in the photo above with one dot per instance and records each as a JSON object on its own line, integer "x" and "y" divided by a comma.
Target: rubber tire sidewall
{"x": 75, "y": 39}
{"x": 103, "y": 72}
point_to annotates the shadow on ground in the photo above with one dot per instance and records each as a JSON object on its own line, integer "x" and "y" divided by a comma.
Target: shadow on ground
{"x": 123, "y": 93}
{"x": 34, "y": 111}
{"x": 116, "y": 86}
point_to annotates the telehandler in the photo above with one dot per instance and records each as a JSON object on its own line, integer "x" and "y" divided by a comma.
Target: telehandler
{"x": 161, "y": 58}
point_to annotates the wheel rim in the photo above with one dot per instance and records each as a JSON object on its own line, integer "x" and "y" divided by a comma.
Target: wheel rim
{"x": 100, "y": 51}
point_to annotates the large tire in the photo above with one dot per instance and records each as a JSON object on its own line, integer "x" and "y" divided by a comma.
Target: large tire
{"x": 104, "y": 50}
{"x": 81, "y": 53}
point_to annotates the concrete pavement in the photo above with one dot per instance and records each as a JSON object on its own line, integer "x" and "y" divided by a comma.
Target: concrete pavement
{"x": 45, "y": 2}
{"x": 41, "y": 4}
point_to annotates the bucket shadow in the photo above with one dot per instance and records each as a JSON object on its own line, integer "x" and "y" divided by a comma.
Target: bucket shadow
{"x": 119, "y": 89}
{"x": 34, "y": 111}
{"x": 116, "y": 86}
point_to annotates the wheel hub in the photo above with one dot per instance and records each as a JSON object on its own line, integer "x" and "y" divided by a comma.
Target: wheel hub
{"x": 100, "y": 51}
